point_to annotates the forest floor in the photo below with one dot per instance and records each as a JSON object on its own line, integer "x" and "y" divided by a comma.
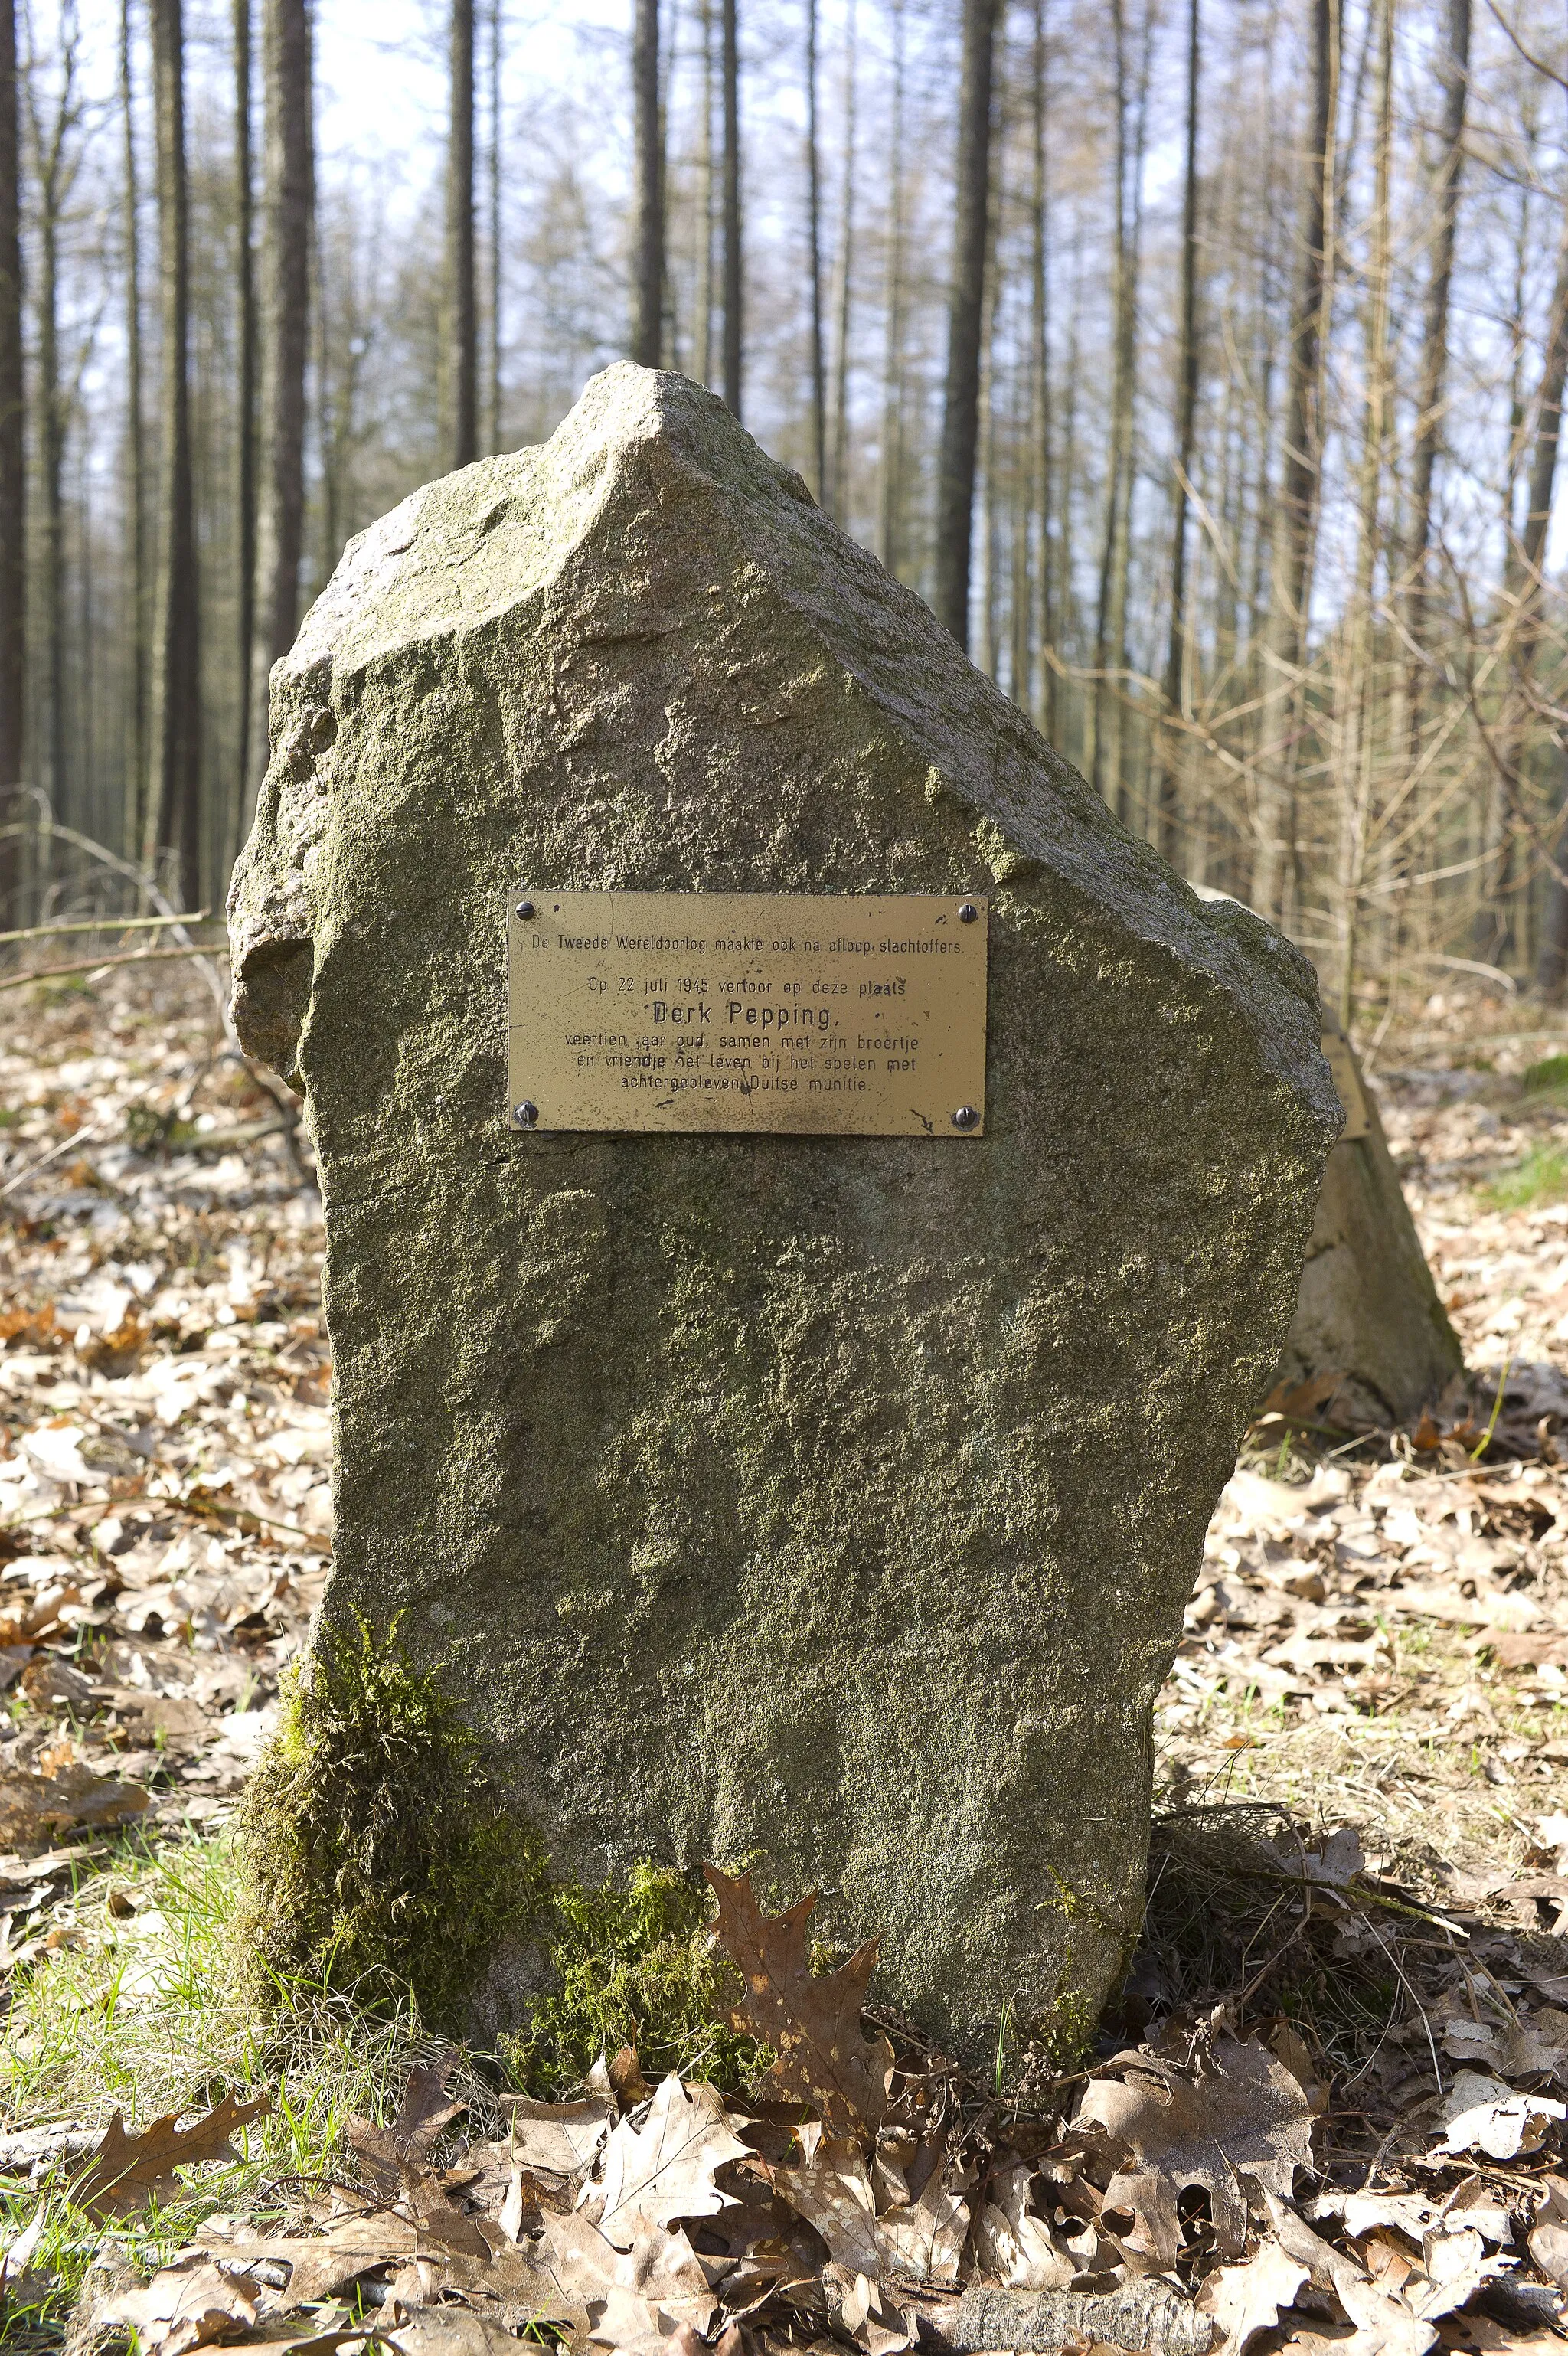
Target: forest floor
{"x": 1362, "y": 1855}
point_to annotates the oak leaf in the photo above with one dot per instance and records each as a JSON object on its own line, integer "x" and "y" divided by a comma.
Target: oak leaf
{"x": 1013, "y": 2247}
{"x": 1236, "y": 2112}
{"x": 184, "y": 2307}
{"x": 812, "y": 2022}
{"x": 127, "y": 2170}
{"x": 1385, "y": 2326}
{"x": 385, "y": 2153}
{"x": 1246, "y": 2300}
{"x": 664, "y": 2169}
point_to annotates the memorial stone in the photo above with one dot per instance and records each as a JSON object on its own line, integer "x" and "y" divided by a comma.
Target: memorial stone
{"x": 792, "y": 1440}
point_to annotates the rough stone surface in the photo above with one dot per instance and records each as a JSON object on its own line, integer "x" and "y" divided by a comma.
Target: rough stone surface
{"x": 1368, "y": 1310}
{"x": 827, "y": 1506}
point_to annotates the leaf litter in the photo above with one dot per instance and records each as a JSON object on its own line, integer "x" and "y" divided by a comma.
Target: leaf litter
{"x": 1326, "y": 2108}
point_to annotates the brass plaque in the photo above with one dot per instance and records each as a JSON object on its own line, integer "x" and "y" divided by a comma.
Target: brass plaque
{"x": 786, "y": 1014}
{"x": 1348, "y": 1081}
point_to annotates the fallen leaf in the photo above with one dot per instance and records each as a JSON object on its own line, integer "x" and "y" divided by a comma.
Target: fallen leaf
{"x": 664, "y": 2169}
{"x": 924, "y": 2238}
{"x": 1013, "y": 2247}
{"x": 1549, "y": 2248}
{"x": 1246, "y": 2300}
{"x": 1241, "y": 2113}
{"x": 1483, "y": 2114}
{"x": 127, "y": 2171}
{"x": 184, "y": 2307}
{"x": 558, "y": 2138}
{"x": 319, "y": 2264}
{"x": 1382, "y": 2323}
{"x": 832, "y": 2191}
{"x": 385, "y": 2152}
{"x": 36, "y": 1808}
{"x": 813, "y": 2023}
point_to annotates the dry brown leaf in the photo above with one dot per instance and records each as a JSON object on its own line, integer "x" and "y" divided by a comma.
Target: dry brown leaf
{"x": 319, "y": 2264}
{"x": 660, "y": 2271}
{"x": 832, "y": 2191}
{"x": 558, "y": 2139}
{"x": 127, "y": 2171}
{"x": 1246, "y": 2300}
{"x": 924, "y": 2238}
{"x": 385, "y": 2152}
{"x": 812, "y": 2023}
{"x": 1013, "y": 2247}
{"x": 665, "y": 2170}
{"x": 1483, "y": 2114}
{"x": 1382, "y": 2323}
{"x": 34, "y": 1809}
{"x": 1242, "y": 2113}
{"x": 184, "y": 2307}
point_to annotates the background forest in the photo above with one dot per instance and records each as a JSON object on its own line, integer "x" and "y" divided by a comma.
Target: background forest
{"x": 1201, "y": 360}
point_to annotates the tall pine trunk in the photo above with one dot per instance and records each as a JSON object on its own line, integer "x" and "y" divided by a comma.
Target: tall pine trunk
{"x": 1167, "y": 796}
{"x": 647, "y": 327}
{"x": 177, "y": 733}
{"x": 733, "y": 277}
{"x": 245, "y": 405}
{"x": 285, "y": 276}
{"x": 893, "y": 355}
{"x": 839, "y": 504}
{"x": 12, "y": 474}
{"x": 135, "y": 817}
{"x": 496, "y": 38}
{"x": 1297, "y": 504}
{"x": 462, "y": 305}
{"x": 1040, "y": 404}
{"x": 965, "y": 322}
{"x": 814, "y": 259}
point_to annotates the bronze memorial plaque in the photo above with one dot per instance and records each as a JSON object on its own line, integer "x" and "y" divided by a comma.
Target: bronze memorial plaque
{"x": 803, "y": 1016}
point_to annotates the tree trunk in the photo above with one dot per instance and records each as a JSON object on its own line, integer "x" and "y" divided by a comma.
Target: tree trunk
{"x": 245, "y": 404}
{"x": 1167, "y": 799}
{"x": 177, "y": 735}
{"x": 893, "y": 355}
{"x": 839, "y": 503}
{"x": 705, "y": 249}
{"x": 1099, "y": 705}
{"x": 55, "y": 174}
{"x": 495, "y": 59}
{"x": 647, "y": 334}
{"x": 1552, "y": 967}
{"x": 1040, "y": 418}
{"x": 285, "y": 272}
{"x": 463, "y": 314}
{"x": 814, "y": 260}
{"x": 135, "y": 817}
{"x": 1295, "y": 518}
{"x": 733, "y": 288}
{"x": 965, "y": 319}
{"x": 1454, "y": 74}
{"x": 12, "y": 474}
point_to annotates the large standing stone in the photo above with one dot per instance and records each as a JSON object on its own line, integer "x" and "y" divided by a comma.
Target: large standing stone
{"x": 824, "y": 1503}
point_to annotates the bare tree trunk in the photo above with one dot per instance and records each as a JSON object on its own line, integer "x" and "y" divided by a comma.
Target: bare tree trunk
{"x": 814, "y": 260}
{"x": 133, "y": 820}
{"x": 1454, "y": 72}
{"x": 13, "y": 471}
{"x": 1296, "y": 519}
{"x": 245, "y": 404}
{"x": 892, "y": 356}
{"x": 463, "y": 310}
{"x": 286, "y": 276}
{"x": 1168, "y": 800}
{"x": 1551, "y": 966}
{"x": 733, "y": 280}
{"x": 840, "y": 496}
{"x": 1040, "y": 417}
{"x": 55, "y": 174}
{"x": 965, "y": 319}
{"x": 705, "y": 253}
{"x": 648, "y": 331}
{"x": 177, "y": 735}
{"x": 1100, "y": 697}
{"x": 496, "y": 40}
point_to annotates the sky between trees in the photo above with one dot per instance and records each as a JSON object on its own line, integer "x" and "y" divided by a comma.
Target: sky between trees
{"x": 1260, "y": 513}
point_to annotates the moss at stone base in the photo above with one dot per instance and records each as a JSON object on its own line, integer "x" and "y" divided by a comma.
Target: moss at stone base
{"x": 379, "y": 1861}
{"x": 378, "y": 1857}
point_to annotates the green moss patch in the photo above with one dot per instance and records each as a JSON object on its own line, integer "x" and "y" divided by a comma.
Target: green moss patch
{"x": 380, "y": 1859}
{"x": 1540, "y": 1177}
{"x": 637, "y": 1968}
{"x": 379, "y": 1855}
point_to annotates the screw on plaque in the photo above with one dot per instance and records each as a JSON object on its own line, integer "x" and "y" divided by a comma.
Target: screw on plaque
{"x": 966, "y": 1118}
{"x": 525, "y": 909}
{"x": 967, "y": 913}
{"x": 526, "y": 1114}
